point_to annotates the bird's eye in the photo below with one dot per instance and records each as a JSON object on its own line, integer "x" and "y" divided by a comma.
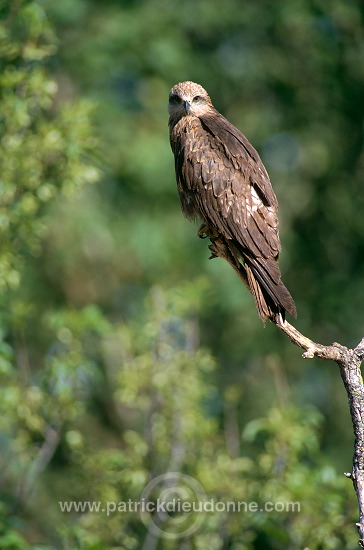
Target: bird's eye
{"x": 174, "y": 99}
{"x": 197, "y": 98}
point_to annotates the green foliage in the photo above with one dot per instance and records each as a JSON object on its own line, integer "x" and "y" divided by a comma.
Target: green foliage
{"x": 160, "y": 418}
{"x": 124, "y": 353}
{"x": 44, "y": 148}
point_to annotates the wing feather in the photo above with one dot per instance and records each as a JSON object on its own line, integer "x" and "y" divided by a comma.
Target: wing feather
{"x": 240, "y": 151}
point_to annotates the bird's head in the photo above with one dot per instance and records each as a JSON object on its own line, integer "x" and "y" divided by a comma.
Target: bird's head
{"x": 188, "y": 99}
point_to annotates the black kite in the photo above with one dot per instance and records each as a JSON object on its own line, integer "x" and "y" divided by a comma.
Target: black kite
{"x": 222, "y": 181}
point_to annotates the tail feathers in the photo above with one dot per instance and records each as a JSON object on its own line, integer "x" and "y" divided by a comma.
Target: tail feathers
{"x": 270, "y": 294}
{"x": 263, "y": 306}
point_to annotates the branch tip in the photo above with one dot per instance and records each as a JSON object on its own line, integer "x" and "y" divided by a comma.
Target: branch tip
{"x": 359, "y": 350}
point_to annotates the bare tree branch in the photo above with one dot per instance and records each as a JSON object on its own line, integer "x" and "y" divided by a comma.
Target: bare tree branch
{"x": 349, "y": 361}
{"x": 335, "y": 352}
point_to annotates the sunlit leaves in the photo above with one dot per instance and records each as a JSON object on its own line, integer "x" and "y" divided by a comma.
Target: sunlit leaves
{"x": 44, "y": 149}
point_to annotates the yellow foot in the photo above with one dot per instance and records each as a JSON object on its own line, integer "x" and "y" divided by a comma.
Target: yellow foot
{"x": 202, "y": 231}
{"x": 205, "y": 230}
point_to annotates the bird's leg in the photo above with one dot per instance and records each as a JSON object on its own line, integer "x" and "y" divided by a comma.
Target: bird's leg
{"x": 220, "y": 249}
{"x": 217, "y": 249}
{"x": 205, "y": 230}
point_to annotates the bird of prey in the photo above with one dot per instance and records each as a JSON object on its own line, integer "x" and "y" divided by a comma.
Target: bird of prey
{"x": 221, "y": 180}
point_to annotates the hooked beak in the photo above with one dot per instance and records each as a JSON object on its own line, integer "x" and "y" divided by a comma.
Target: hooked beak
{"x": 187, "y": 106}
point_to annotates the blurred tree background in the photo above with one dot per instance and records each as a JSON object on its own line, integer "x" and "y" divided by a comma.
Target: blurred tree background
{"x": 124, "y": 352}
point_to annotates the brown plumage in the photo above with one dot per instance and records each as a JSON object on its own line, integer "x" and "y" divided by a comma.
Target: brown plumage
{"x": 222, "y": 181}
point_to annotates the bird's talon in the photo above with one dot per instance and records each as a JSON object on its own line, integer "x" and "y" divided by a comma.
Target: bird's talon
{"x": 205, "y": 231}
{"x": 202, "y": 231}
